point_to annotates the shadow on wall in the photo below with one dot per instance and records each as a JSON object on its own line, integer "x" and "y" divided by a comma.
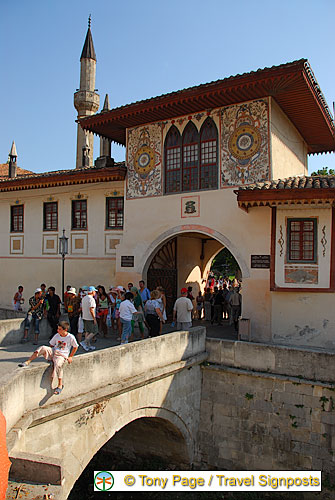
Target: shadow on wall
{"x": 11, "y": 331}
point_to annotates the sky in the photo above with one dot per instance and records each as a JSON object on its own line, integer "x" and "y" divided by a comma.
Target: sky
{"x": 143, "y": 49}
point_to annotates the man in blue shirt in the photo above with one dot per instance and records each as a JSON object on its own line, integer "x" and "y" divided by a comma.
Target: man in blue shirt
{"x": 144, "y": 292}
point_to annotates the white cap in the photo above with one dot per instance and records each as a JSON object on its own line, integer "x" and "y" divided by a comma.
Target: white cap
{"x": 38, "y": 290}
{"x": 72, "y": 290}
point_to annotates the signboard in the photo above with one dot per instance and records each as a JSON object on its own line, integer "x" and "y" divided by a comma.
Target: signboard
{"x": 260, "y": 261}
{"x": 127, "y": 261}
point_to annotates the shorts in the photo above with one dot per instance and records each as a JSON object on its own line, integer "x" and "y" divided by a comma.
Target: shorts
{"x": 102, "y": 313}
{"x": 90, "y": 327}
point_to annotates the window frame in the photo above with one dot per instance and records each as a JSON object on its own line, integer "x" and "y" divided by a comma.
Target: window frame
{"x": 74, "y": 211}
{"x": 117, "y": 211}
{"x": 45, "y": 204}
{"x": 200, "y": 167}
{"x": 13, "y": 216}
{"x": 301, "y": 232}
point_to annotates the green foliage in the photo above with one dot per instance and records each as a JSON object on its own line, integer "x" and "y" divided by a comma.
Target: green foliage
{"x": 249, "y": 396}
{"x": 225, "y": 263}
{"x": 323, "y": 171}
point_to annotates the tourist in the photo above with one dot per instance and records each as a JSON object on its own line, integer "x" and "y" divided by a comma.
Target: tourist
{"x": 200, "y": 304}
{"x": 207, "y": 304}
{"x": 88, "y": 307}
{"x": 225, "y": 308}
{"x": 43, "y": 287}
{"x": 18, "y": 299}
{"x": 127, "y": 309}
{"x": 235, "y": 301}
{"x": 218, "y": 307}
{"x": 112, "y": 296}
{"x": 63, "y": 348}
{"x": 35, "y": 313}
{"x": 102, "y": 309}
{"x": 52, "y": 304}
{"x": 137, "y": 301}
{"x": 66, "y": 295}
{"x": 182, "y": 311}
{"x": 153, "y": 314}
{"x": 130, "y": 286}
{"x": 73, "y": 312}
{"x": 162, "y": 306}
{"x": 144, "y": 292}
{"x": 118, "y": 300}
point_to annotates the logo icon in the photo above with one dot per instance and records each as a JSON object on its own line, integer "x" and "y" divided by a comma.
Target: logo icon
{"x": 103, "y": 481}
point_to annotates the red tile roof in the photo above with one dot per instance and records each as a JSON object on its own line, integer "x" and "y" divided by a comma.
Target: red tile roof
{"x": 20, "y": 171}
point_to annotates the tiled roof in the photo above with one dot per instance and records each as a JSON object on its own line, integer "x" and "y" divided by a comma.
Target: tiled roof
{"x": 74, "y": 171}
{"x": 4, "y": 172}
{"x": 304, "y": 182}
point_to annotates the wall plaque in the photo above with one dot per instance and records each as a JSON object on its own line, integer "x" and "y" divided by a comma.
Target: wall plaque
{"x": 260, "y": 261}
{"x": 127, "y": 261}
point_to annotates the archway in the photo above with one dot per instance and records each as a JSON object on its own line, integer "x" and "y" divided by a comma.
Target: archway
{"x": 147, "y": 443}
{"x": 182, "y": 257}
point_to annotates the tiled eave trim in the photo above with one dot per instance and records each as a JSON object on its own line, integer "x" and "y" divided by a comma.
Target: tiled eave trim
{"x": 54, "y": 181}
{"x": 273, "y": 198}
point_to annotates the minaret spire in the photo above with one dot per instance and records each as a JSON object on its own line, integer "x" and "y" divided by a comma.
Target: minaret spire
{"x": 86, "y": 100}
{"x": 12, "y": 167}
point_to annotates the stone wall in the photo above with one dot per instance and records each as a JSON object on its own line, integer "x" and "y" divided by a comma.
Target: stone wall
{"x": 267, "y": 407}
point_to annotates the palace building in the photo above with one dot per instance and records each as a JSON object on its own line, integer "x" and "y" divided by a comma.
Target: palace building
{"x": 223, "y": 164}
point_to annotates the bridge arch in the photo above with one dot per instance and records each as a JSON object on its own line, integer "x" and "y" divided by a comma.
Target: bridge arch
{"x": 161, "y": 431}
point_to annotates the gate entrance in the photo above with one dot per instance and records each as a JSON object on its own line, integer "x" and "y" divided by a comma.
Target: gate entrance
{"x": 163, "y": 272}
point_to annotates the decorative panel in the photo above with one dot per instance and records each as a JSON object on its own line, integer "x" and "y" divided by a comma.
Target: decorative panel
{"x": 245, "y": 143}
{"x": 79, "y": 243}
{"x": 190, "y": 206}
{"x": 144, "y": 161}
{"x": 301, "y": 274}
{"x": 50, "y": 244}
{"x": 110, "y": 244}
{"x": 16, "y": 244}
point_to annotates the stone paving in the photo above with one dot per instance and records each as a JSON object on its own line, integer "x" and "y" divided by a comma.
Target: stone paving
{"x": 11, "y": 355}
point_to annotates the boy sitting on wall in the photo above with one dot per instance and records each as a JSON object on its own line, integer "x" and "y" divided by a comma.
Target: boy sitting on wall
{"x": 63, "y": 348}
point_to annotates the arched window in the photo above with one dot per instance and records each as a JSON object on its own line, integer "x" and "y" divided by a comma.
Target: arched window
{"x": 191, "y": 161}
{"x": 208, "y": 156}
{"x": 190, "y": 158}
{"x": 173, "y": 161}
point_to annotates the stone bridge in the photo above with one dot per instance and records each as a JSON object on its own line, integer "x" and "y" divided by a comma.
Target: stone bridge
{"x": 51, "y": 438}
{"x": 249, "y": 406}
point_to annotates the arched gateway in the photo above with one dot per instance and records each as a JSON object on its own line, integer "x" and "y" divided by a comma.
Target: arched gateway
{"x": 183, "y": 256}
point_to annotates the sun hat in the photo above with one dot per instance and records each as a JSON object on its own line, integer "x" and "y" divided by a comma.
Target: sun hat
{"x": 38, "y": 290}
{"x": 134, "y": 289}
{"x": 120, "y": 288}
{"x": 183, "y": 290}
{"x": 72, "y": 290}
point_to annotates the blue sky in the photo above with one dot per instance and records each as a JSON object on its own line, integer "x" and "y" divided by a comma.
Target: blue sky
{"x": 143, "y": 49}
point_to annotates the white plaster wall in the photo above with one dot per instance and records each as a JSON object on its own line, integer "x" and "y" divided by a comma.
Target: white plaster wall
{"x": 33, "y": 267}
{"x": 303, "y": 319}
{"x": 288, "y": 149}
{"x": 242, "y": 233}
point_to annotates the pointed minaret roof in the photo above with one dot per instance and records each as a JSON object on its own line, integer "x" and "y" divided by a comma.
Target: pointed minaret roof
{"x": 13, "y": 150}
{"x": 106, "y": 104}
{"x": 88, "y": 49}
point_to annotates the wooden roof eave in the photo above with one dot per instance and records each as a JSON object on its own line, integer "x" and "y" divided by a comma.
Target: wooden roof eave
{"x": 275, "y": 197}
{"x": 105, "y": 175}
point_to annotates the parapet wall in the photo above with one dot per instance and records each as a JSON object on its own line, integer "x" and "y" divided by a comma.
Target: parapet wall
{"x": 267, "y": 407}
{"x": 106, "y": 370}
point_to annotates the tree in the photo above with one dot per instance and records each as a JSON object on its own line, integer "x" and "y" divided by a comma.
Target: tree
{"x": 225, "y": 263}
{"x": 323, "y": 171}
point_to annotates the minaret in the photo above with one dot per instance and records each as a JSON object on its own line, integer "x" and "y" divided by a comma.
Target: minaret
{"x": 12, "y": 168}
{"x": 86, "y": 100}
{"x": 105, "y": 159}
{"x": 105, "y": 144}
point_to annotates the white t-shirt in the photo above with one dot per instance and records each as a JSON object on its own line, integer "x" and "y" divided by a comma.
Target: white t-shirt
{"x": 63, "y": 345}
{"x": 127, "y": 309}
{"x": 183, "y": 307}
{"x": 86, "y": 304}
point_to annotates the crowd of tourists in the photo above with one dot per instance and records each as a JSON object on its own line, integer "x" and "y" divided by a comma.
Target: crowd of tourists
{"x": 92, "y": 310}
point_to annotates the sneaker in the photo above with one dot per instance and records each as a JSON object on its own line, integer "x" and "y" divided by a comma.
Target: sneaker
{"x": 23, "y": 341}
{"x": 84, "y": 346}
{"x": 23, "y": 365}
{"x": 91, "y": 347}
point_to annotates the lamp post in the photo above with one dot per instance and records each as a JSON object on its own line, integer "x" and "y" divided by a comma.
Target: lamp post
{"x": 63, "y": 250}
